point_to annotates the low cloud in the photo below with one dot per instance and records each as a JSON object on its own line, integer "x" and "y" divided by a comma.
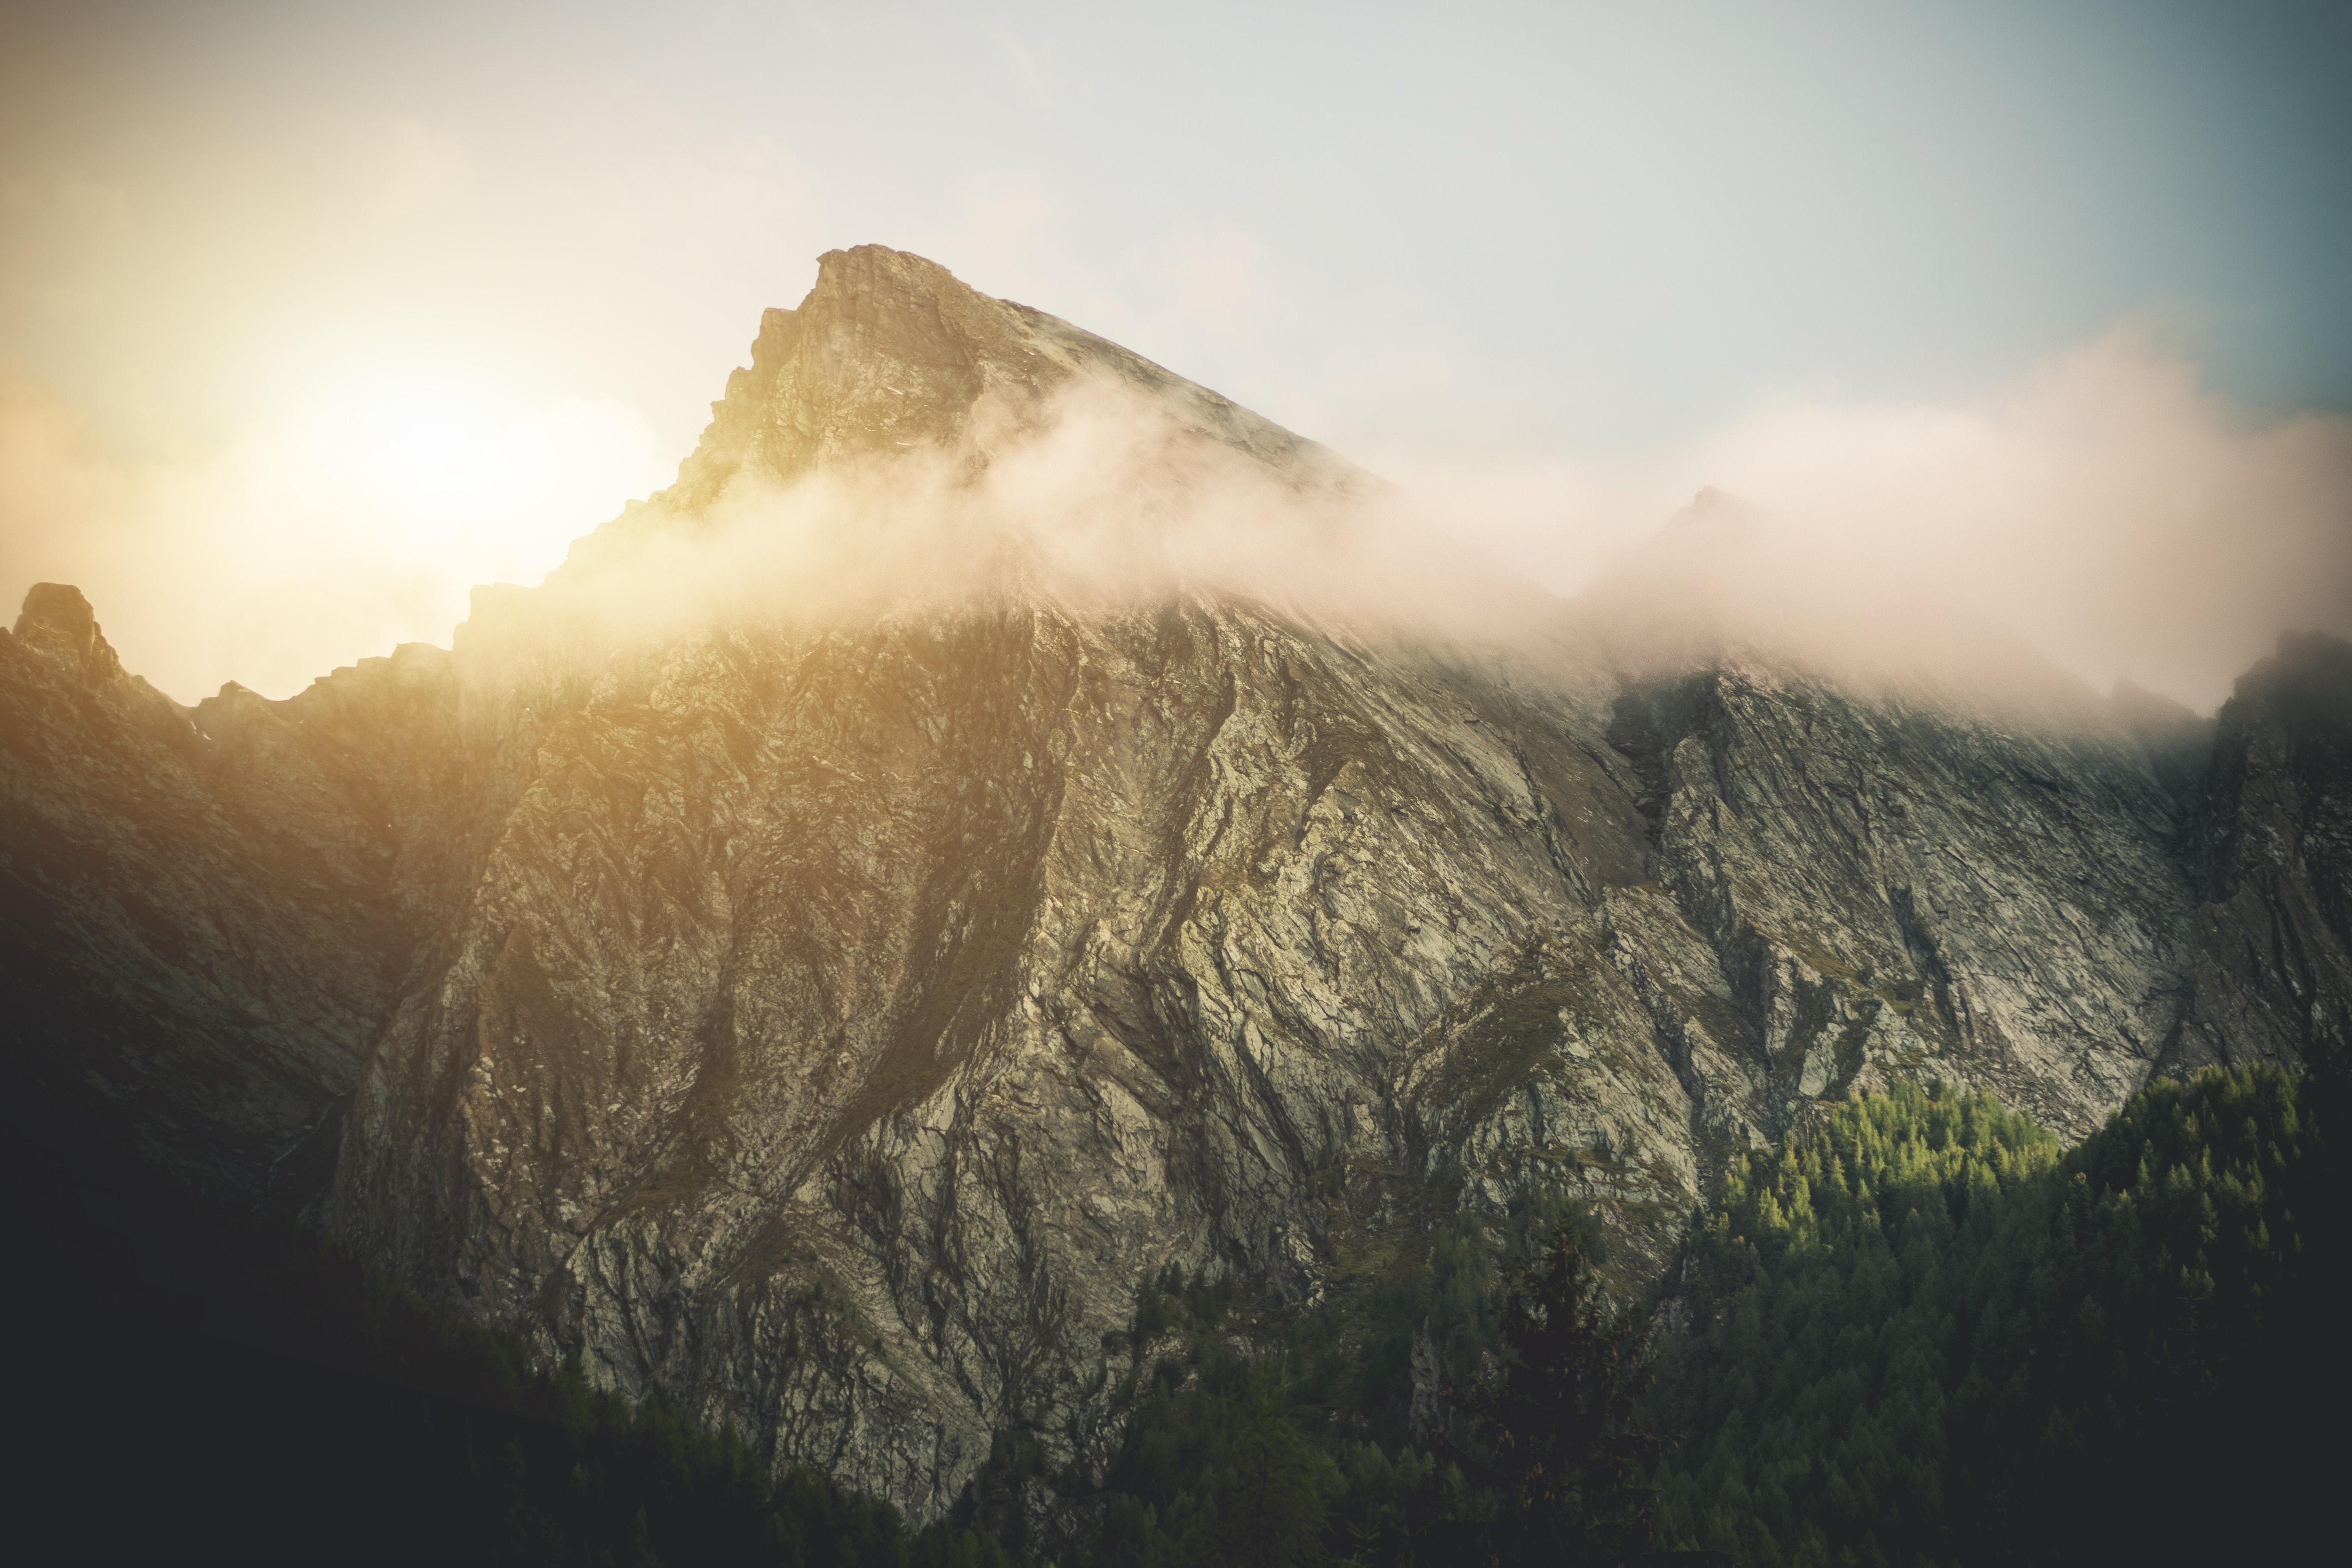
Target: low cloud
{"x": 1100, "y": 496}
{"x": 2106, "y": 510}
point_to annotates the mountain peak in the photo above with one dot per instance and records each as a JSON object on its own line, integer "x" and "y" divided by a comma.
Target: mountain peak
{"x": 889, "y": 351}
{"x": 57, "y": 619}
{"x": 892, "y": 353}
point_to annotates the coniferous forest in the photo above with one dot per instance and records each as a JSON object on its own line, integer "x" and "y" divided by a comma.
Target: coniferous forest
{"x": 1926, "y": 1333}
{"x": 1922, "y": 1331}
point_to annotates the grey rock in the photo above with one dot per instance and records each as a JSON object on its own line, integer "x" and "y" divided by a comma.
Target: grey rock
{"x": 2270, "y": 855}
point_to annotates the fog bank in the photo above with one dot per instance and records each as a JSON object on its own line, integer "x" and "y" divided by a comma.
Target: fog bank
{"x": 2104, "y": 508}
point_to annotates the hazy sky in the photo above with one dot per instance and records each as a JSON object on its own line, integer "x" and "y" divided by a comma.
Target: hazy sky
{"x": 453, "y": 281}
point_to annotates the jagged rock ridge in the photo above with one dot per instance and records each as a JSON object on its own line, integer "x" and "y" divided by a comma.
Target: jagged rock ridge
{"x": 829, "y": 1025}
{"x": 890, "y": 356}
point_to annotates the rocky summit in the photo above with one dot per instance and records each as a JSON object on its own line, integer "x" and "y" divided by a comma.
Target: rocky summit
{"x": 827, "y": 1022}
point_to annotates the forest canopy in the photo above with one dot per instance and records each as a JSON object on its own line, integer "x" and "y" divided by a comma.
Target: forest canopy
{"x": 1923, "y": 1333}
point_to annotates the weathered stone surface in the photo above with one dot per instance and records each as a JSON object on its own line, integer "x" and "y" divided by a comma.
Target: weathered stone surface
{"x": 888, "y": 355}
{"x": 1888, "y": 888}
{"x": 828, "y": 1024}
{"x": 2270, "y": 855}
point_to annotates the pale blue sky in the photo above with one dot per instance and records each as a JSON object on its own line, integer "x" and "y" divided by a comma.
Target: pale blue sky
{"x": 1592, "y": 225}
{"x": 313, "y": 315}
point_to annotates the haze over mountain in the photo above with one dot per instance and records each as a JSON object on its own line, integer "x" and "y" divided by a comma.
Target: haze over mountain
{"x": 1008, "y": 819}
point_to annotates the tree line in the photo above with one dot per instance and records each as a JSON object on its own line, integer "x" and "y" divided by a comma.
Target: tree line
{"x": 1921, "y": 1332}
{"x": 1925, "y": 1334}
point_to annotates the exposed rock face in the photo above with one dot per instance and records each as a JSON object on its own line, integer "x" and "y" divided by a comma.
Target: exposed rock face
{"x": 890, "y": 356}
{"x": 2271, "y": 854}
{"x": 829, "y": 1025}
{"x": 1891, "y": 891}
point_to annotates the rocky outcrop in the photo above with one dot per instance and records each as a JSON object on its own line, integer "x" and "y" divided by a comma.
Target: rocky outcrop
{"x": 2269, "y": 853}
{"x": 1893, "y": 890}
{"x": 890, "y": 356}
{"x": 828, "y": 1022}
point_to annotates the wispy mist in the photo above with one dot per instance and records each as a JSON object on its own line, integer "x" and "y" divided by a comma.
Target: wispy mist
{"x": 2106, "y": 510}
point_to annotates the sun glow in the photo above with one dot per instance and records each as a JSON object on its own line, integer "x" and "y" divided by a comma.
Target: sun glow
{"x": 356, "y": 517}
{"x": 422, "y": 446}
{"x": 462, "y": 478}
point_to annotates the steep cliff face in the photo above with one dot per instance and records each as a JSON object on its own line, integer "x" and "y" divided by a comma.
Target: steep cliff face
{"x": 1889, "y": 889}
{"x": 2269, "y": 853}
{"x": 828, "y": 1021}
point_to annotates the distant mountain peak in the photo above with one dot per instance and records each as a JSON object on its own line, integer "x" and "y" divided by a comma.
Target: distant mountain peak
{"x": 57, "y": 619}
